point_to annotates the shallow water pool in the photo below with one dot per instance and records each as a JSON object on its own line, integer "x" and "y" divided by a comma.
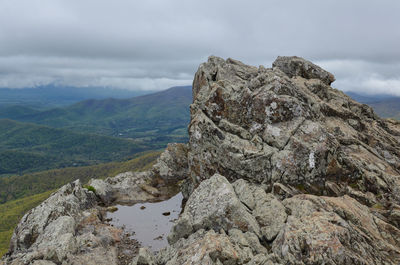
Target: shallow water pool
{"x": 149, "y": 223}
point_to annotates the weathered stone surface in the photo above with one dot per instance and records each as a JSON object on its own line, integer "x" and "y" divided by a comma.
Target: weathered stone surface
{"x": 103, "y": 190}
{"x": 204, "y": 247}
{"x": 67, "y": 228}
{"x": 172, "y": 165}
{"x": 296, "y": 66}
{"x": 213, "y": 205}
{"x": 70, "y": 200}
{"x": 335, "y": 230}
{"x": 144, "y": 257}
{"x": 286, "y": 124}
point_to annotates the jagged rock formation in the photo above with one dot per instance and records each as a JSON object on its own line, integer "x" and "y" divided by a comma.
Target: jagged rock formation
{"x": 286, "y": 124}
{"x": 280, "y": 168}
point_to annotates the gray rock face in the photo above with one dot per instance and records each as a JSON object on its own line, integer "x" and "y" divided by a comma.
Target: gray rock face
{"x": 213, "y": 205}
{"x": 64, "y": 229}
{"x": 296, "y": 66}
{"x": 303, "y": 229}
{"x": 275, "y": 134}
{"x": 287, "y": 125}
{"x": 172, "y": 164}
{"x": 53, "y": 217}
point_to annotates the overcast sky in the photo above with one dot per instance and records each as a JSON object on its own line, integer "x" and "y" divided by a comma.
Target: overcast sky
{"x": 155, "y": 44}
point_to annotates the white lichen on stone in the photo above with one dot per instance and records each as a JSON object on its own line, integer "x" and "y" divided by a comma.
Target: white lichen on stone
{"x": 311, "y": 160}
{"x": 197, "y": 135}
{"x": 255, "y": 127}
{"x": 274, "y": 131}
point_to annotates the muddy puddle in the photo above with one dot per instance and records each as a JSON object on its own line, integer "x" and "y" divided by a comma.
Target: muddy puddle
{"x": 150, "y": 222}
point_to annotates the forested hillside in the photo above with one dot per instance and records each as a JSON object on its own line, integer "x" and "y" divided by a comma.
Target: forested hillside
{"x": 26, "y": 147}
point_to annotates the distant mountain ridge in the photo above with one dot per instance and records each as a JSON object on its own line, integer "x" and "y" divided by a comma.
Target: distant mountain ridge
{"x": 151, "y": 117}
{"x": 53, "y": 95}
{"x": 386, "y": 106}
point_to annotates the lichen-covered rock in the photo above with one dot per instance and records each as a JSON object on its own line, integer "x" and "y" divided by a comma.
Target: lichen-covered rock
{"x": 213, "y": 205}
{"x": 335, "y": 230}
{"x": 204, "y": 247}
{"x": 296, "y": 66}
{"x": 287, "y": 125}
{"x": 67, "y": 202}
{"x": 67, "y": 228}
{"x": 144, "y": 257}
{"x": 172, "y": 165}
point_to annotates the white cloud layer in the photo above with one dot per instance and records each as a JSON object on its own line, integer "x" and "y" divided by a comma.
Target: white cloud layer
{"x": 156, "y": 44}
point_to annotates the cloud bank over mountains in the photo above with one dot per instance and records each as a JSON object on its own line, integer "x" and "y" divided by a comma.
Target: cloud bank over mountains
{"x": 157, "y": 44}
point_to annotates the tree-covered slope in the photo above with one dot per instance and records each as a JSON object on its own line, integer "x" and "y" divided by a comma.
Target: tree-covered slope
{"x": 26, "y": 147}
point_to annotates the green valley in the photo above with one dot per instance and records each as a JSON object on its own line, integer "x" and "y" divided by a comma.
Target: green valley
{"x": 26, "y": 147}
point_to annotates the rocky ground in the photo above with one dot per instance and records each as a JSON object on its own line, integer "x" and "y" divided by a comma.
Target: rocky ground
{"x": 280, "y": 168}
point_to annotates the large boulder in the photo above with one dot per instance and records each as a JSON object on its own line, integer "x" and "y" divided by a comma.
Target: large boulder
{"x": 213, "y": 205}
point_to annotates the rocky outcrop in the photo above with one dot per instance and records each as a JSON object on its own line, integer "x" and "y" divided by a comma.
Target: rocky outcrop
{"x": 280, "y": 168}
{"x": 65, "y": 229}
{"x": 287, "y": 125}
{"x": 70, "y": 227}
{"x": 317, "y": 171}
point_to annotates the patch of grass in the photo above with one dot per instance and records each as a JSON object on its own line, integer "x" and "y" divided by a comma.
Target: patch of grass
{"x": 90, "y": 188}
{"x": 301, "y": 188}
{"x": 378, "y": 206}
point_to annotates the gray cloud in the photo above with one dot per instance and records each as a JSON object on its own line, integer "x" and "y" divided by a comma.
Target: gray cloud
{"x": 156, "y": 44}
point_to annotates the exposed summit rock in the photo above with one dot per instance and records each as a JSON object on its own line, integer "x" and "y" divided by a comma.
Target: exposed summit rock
{"x": 296, "y": 66}
{"x": 280, "y": 168}
{"x": 287, "y": 125}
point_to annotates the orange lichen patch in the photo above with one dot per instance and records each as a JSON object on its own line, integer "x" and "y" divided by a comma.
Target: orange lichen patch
{"x": 334, "y": 169}
{"x": 116, "y": 233}
{"x": 91, "y": 219}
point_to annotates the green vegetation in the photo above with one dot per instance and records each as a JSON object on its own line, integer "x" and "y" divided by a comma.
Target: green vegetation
{"x": 90, "y": 188}
{"x": 157, "y": 118}
{"x": 10, "y": 214}
{"x": 15, "y": 187}
{"x": 26, "y": 147}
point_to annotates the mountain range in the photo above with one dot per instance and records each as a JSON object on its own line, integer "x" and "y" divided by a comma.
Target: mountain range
{"x": 56, "y": 95}
{"x": 161, "y": 116}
